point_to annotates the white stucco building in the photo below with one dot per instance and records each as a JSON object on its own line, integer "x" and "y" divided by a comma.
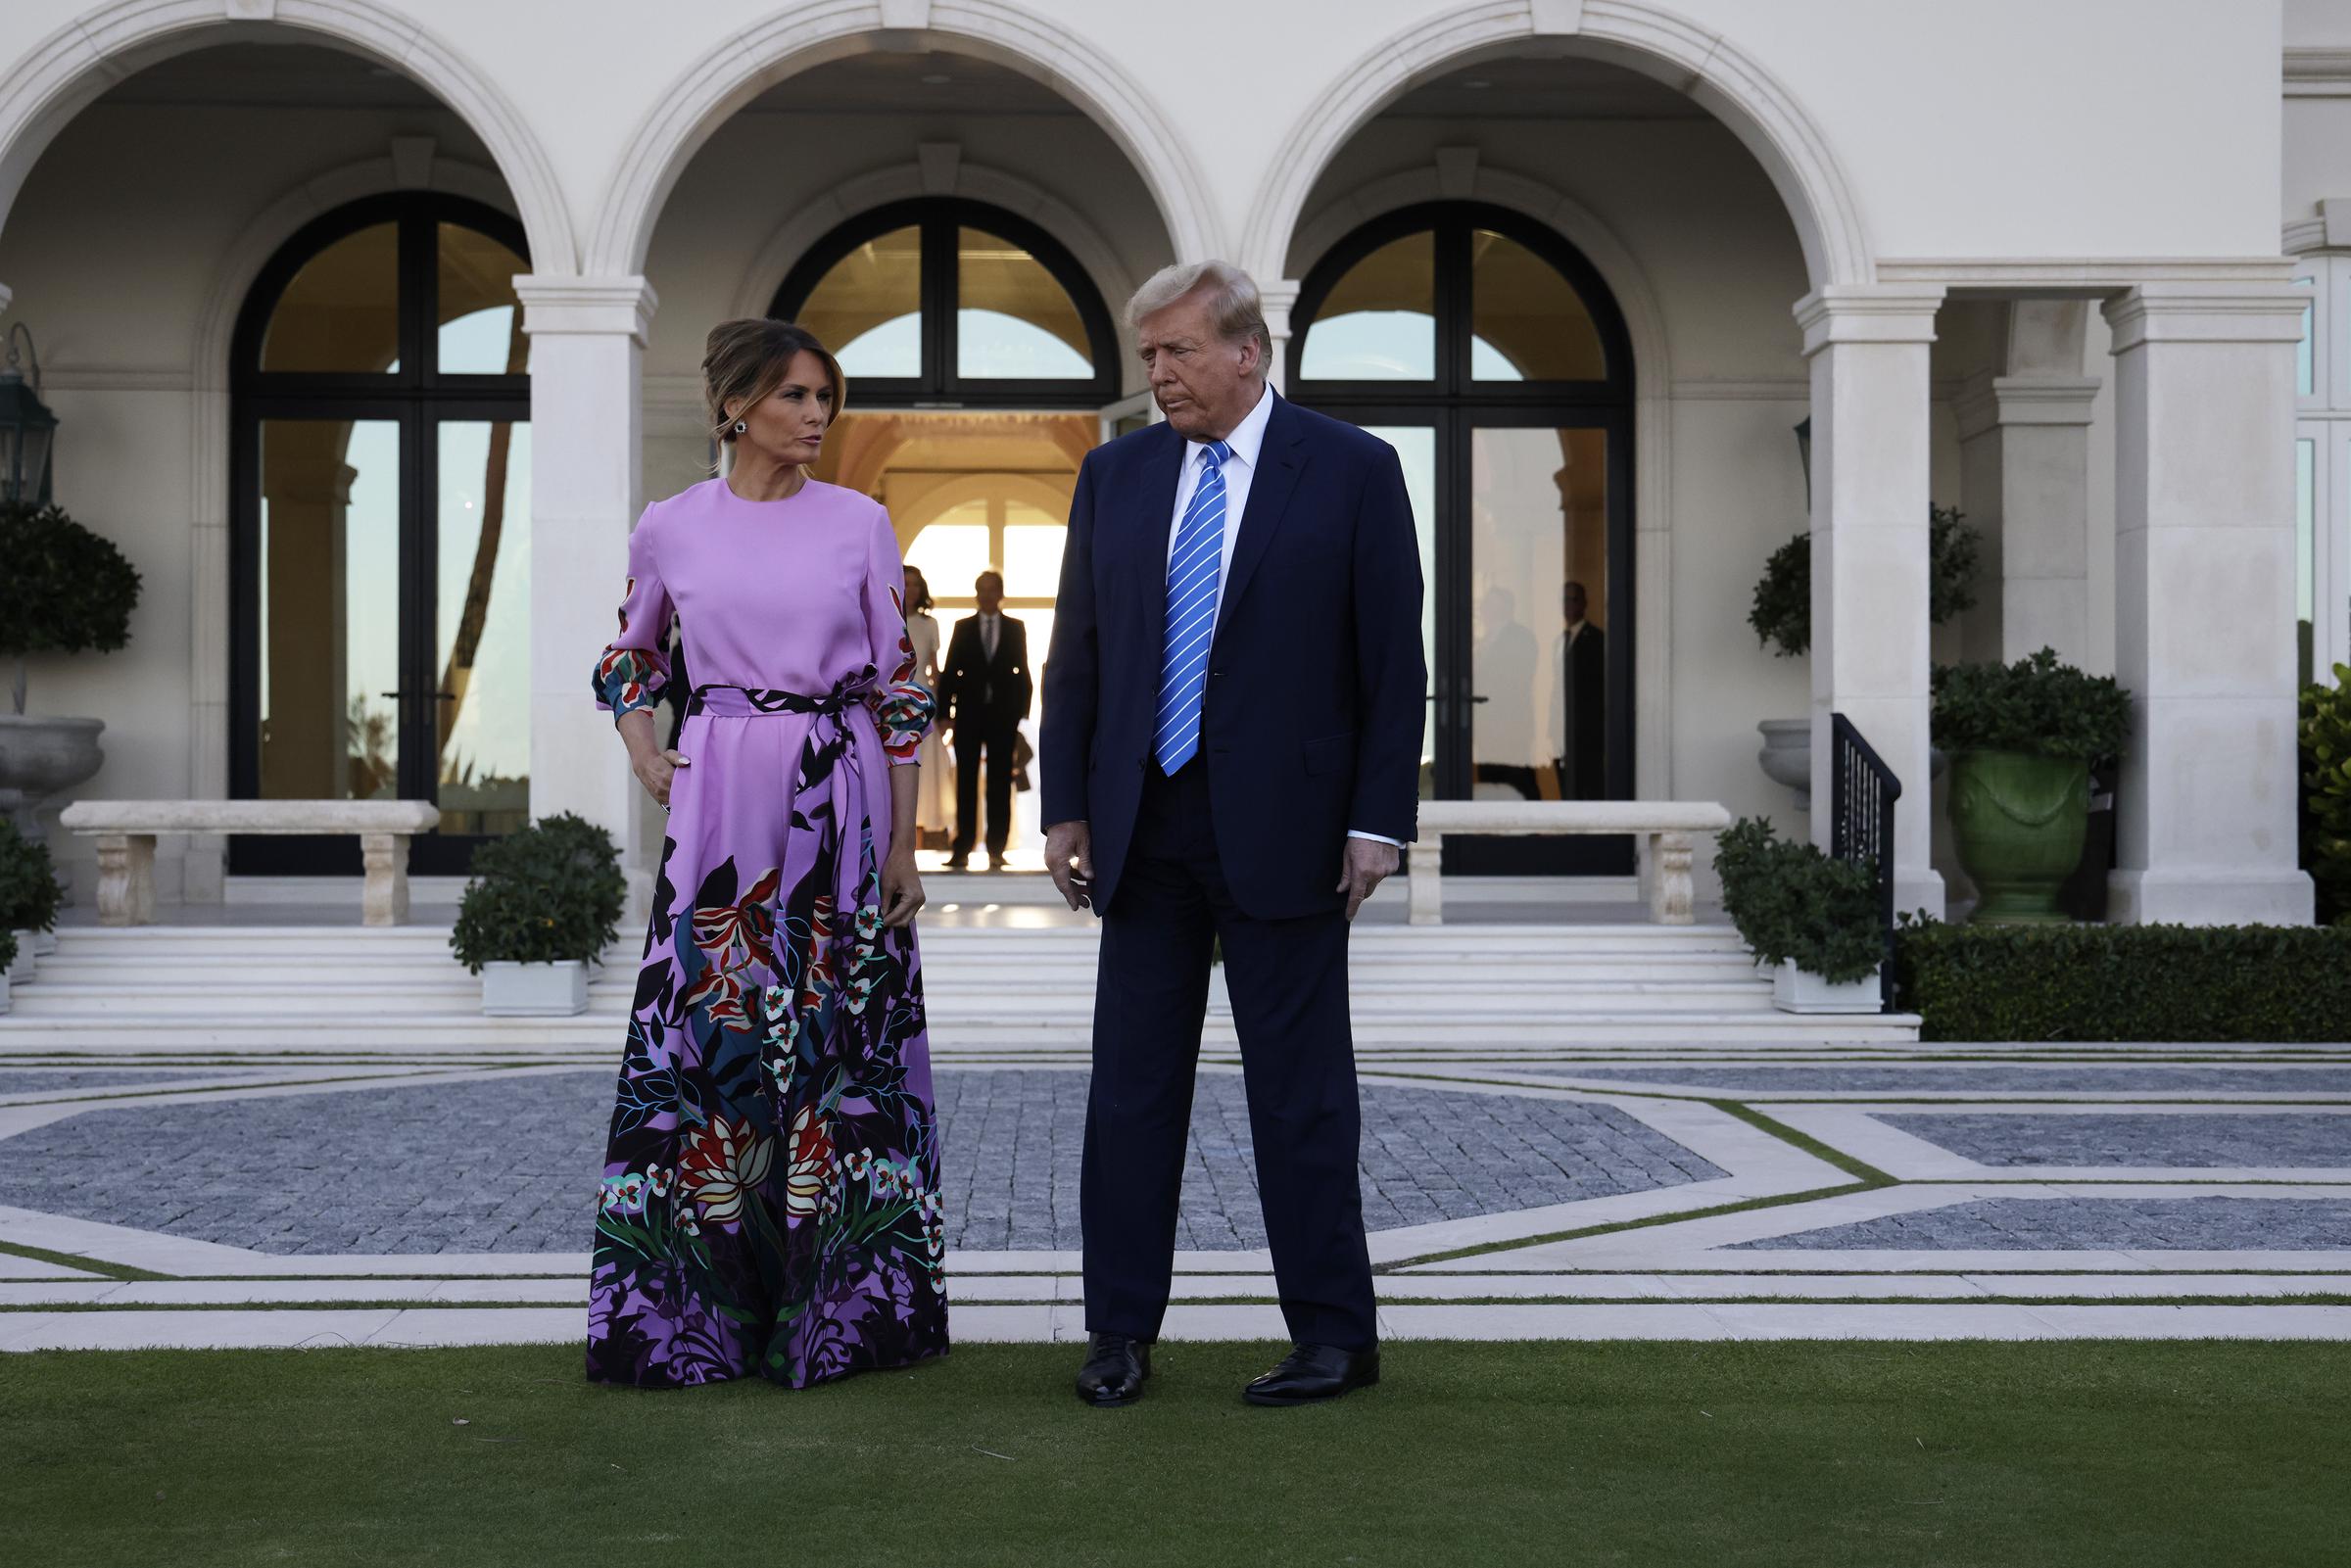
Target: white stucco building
{"x": 371, "y": 325}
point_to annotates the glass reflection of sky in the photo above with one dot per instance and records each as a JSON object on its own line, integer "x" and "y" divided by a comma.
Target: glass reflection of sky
{"x": 989, "y": 344}
{"x": 1390, "y": 345}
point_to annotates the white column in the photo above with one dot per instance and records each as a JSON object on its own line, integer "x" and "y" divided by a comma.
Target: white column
{"x": 2024, "y": 483}
{"x": 1279, "y": 300}
{"x": 1867, "y": 345}
{"x": 2204, "y": 603}
{"x": 587, "y": 353}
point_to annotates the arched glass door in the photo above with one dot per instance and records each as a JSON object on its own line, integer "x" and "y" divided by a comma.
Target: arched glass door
{"x": 381, "y": 483}
{"x": 1489, "y": 354}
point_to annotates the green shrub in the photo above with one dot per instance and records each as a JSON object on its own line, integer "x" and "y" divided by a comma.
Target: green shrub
{"x": 550, "y": 891}
{"x": 1782, "y": 613}
{"x": 2200, "y": 983}
{"x": 31, "y": 894}
{"x": 2036, "y": 705}
{"x": 1791, "y": 901}
{"x": 65, "y": 589}
{"x": 2325, "y": 732}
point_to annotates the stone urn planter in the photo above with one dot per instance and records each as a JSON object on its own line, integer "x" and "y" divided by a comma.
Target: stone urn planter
{"x": 556, "y": 989}
{"x": 1787, "y": 757}
{"x": 1795, "y": 990}
{"x": 2018, "y": 822}
{"x": 41, "y": 757}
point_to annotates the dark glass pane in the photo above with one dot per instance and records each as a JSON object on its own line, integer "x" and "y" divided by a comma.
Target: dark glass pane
{"x": 867, "y": 308}
{"x": 482, "y": 642}
{"x": 329, "y": 609}
{"x": 1417, "y": 453}
{"x": 1527, "y": 321}
{"x": 1013, "y": 318}
{"x": 480, "y": 320}
{"x": 342, "y": 310}
{"x": 1380, "y": 323}
{"x": 1539, "y": 567}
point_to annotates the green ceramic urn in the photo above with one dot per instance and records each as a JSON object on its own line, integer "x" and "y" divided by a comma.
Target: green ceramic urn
{"x": 2019, "y": 821}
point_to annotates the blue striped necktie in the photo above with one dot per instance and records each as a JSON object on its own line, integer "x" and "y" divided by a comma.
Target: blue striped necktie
{"x": 1192, "y": 573}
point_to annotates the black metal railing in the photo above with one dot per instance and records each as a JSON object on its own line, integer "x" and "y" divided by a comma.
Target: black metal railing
{"x": 1863, "y": 794}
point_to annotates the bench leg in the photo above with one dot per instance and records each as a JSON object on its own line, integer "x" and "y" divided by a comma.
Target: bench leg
{"x": 1673, "y": 892}
{"x": 126, "y": 879}
{"x": 384, "y": 901}
{"x": 1425, "y": 894}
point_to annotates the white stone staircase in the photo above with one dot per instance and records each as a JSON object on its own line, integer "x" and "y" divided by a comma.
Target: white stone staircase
{"x": 994, "y": 992}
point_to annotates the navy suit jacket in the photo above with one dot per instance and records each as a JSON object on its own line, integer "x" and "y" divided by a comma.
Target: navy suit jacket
{"x": 1317, "y": 686}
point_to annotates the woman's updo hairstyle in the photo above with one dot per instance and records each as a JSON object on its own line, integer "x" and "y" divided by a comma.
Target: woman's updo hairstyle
{"x": 744, "y": 360}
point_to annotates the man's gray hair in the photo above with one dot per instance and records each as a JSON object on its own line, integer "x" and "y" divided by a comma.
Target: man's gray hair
{"x": 1234, "y": 310}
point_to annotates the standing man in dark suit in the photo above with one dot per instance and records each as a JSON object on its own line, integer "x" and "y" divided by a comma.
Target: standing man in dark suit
{"x": 1580, "y": 714}
{"x": 1231, "y": 752}
{"x": 983, "y": 690}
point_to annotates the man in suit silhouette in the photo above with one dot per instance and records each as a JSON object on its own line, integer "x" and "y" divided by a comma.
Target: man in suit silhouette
{"x": 1579, "y": 713}
{"x": 1231, "y": 755}
{"x": 984, "y": 691}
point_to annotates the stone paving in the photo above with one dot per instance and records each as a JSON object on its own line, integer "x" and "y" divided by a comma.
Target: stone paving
{"x": 37, "y": 1080}
{"x": 2074, "y": 1224}
{"x": 2154, "y": 1139}
{"x": 507, "y": 1165}
{"x": 1988, "y": 1078}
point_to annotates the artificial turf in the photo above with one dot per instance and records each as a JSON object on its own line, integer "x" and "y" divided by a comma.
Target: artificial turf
{"x": 2078, "y": 1454}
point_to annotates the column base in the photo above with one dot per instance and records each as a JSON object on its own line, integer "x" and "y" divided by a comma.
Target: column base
{"x": 1916, "y": 888}
{"x": 2142, "y": 897}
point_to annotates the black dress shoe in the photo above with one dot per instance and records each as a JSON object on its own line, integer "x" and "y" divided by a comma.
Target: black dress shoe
{"x": 1315, "y": 1372}
{"x": 1116, "y": 1365}
{"x": 959, "y": 863}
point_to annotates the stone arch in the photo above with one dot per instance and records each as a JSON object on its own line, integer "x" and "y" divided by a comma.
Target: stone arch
{"x": 734, "y": 73}
{"x": 1637, "y": 35}
{"x": 60, "y": 75}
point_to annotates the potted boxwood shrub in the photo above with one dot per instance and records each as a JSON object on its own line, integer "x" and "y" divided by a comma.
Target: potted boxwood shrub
{"x": 2326, "y": 798}
{"x": 543, "y": 903}
{"x": 30, "y": 894}
{"x": 1811, "y": 919}
{"x": 2023, "y": 737}
{"x": 1781, "y": 616}
{"x": 7, "y": 961}
{"x": 65, "y": 589}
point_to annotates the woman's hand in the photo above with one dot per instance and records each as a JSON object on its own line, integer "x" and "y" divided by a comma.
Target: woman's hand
{"x": 902, "y": 886}
{"x": 656, "y": 768}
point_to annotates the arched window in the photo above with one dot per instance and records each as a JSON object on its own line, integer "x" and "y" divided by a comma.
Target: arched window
{"x": 381, "y": 473}
{"x": 942, "y": 303}
{"x": 1488, "y": 351}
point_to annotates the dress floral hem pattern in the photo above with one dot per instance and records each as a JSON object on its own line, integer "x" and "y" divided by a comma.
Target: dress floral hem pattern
{"x": 769, "y": 1202}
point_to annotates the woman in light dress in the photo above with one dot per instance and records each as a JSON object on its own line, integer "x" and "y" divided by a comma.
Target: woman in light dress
{"x": 931, "y": 796}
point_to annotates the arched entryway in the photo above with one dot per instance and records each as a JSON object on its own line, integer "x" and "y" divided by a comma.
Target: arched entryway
{"x": 380, "y": 475}
{"x": 1490, "y": 353}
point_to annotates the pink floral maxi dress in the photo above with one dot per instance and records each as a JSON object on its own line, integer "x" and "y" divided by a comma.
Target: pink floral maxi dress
{"x": 770, "y": 1201}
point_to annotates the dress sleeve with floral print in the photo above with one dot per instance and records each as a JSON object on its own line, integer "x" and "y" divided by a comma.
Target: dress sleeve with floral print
{"x": 631, "y": 671}
{"x": 901, "y": 704}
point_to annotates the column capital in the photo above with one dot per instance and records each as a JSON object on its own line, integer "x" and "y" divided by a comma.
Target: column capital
{"x": 2206, "y": 313}
{"x": 1987, "y": 402}
{"x": 616, "y": 306}
{"x": 1868, "y": 312}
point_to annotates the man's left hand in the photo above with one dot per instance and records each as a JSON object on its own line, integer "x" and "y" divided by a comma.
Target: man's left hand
{"x": 1368, "y": 864}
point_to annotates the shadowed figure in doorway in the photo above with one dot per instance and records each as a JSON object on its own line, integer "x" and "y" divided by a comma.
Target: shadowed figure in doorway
{"x": 984, "y": 689}
{"x": 1579, "y": 711}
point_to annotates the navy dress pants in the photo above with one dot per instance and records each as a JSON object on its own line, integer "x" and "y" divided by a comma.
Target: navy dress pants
{"x": 1288, "y": 983}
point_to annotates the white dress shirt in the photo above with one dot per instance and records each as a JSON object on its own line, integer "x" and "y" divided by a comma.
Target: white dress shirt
{"x": 1247, "y": 441}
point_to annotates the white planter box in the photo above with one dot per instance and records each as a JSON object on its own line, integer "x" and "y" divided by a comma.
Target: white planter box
{"x": 44, "y": 943}
{"x": 513, "y": 991}
{"x": 21, "y": 967}
{"x": 3, "y": 993}
{"x": 1793, "y": 991}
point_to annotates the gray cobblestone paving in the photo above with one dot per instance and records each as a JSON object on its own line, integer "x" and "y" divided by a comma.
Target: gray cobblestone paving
{"x": 2157, "y": 1140}
{"x": 1987, "y": 1078}
{"x": 510, "y": 1165}
{"x": 2067, "y": 1224}
{"x": 26, "y": 1080}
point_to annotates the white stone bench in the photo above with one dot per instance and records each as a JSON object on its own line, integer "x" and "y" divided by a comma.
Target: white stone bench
{"x": 125, "y": 831}
{"x": 1666, "y": 827}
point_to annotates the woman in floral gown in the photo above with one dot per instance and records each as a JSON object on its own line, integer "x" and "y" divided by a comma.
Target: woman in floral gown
{"x": 770, "y": 1201}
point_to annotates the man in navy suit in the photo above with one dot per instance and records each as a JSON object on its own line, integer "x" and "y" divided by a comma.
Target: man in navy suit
{"x": 1231, "y": 751}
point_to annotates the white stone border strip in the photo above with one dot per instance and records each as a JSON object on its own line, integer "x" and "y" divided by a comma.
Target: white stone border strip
{"x": 1755, "y": 1092}
{"x": 1866, "y": 1136}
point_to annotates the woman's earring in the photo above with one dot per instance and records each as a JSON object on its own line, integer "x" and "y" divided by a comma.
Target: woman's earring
{"x": 741, "y": 426}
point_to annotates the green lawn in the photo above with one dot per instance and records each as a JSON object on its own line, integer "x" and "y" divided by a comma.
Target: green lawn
{"x": 2071, "y": 1455}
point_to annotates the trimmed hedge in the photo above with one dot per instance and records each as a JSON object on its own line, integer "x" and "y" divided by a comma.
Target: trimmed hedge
{"x": 547, "y": 892}
{"x": 2200, "y": 984}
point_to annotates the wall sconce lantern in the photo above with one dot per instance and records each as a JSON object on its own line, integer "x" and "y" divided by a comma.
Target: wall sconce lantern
{"x": 28, "y": 429}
